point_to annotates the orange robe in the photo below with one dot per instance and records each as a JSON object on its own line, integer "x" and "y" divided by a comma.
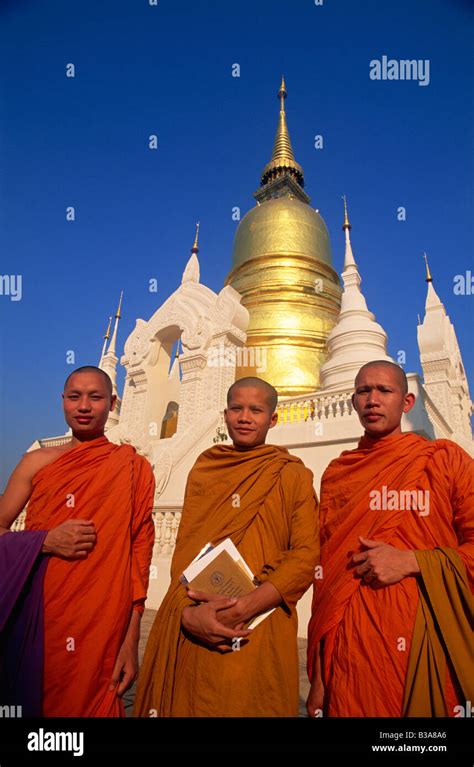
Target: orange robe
{"x": 88, "y": 603}
{"x": 263, "y": 499}
{"x": 367, "y": 631}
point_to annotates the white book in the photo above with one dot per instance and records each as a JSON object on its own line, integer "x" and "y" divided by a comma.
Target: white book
{"x": 207, "y": 554}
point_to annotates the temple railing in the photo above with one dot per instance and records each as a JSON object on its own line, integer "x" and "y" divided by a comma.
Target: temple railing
{"x": 166, "y": 529}
{"x": 19, "y": 523}
{"x": 324, "y": 407}
{"x": 55, "y": 441}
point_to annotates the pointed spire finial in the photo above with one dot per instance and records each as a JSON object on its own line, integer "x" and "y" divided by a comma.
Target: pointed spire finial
{"x": 346, "y": 224}
{"x": 107, "y": 332}
{"x": 283, "y": 160}
{"x": 428, "y": 273}
{"x": 349, "y": 260}
{"x": 113, "y": 341}
{"x": 282, "y": 149}
{"x": 282, "y": 94}
{"x": 117, "y": 315}
{"x": 106, "y": 338}
{"x": 195, "y": 248}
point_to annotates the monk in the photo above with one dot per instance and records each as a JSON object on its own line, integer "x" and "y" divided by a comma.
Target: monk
{"x": 89, "y": 516}
{"x": 200, "y": 660}
{"x": 391, "y": 627}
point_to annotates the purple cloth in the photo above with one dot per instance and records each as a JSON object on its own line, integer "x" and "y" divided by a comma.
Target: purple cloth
{"x": 22, "y": 569}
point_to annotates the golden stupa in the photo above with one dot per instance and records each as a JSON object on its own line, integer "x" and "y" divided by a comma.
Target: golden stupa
{"x": 282, "y": 267}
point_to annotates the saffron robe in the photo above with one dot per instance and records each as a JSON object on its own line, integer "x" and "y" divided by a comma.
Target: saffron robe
{"x": 263, "y": 499}
{"x": 367, "y": 632}
{"x": 443, "y": 629}
{"x": 88, "y": 603}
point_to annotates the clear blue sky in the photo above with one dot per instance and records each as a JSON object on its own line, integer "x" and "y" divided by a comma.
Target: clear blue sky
{"x": 167, "y": 70}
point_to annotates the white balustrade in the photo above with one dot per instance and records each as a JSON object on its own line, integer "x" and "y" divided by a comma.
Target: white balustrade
{"x": 319, "y": 407}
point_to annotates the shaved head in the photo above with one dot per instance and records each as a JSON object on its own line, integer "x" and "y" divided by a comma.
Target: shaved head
{"x": 398, "y": 373}
{"x": 91, "y": 369}
{"x": 271, "y": 394}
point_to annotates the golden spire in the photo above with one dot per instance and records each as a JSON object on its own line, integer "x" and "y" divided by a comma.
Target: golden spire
{"x": 107, "y": 332}
{"x": 346, "y": 224}
{"x": 283, "y": 160}
{"x": 119, "y": 306}
{"x": 106, "y": 338}
{"x": 428, "y": 273}
{"x": 282, "y": 149}
{"x": 114, "y": 334}
{"x": 195, "y": 248}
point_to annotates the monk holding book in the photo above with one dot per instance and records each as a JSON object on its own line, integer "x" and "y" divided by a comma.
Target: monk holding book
{"x": 391, "y": 629}
{"x": 200, "y": 661}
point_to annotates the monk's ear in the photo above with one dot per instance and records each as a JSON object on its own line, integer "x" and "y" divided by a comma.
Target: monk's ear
{"x": 408, "y": 402}
{"x": 273, "y": 420}
{"x": 353, "y": 402}
{"x": 113, "y": 402}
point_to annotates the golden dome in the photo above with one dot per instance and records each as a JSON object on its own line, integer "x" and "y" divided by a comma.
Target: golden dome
{"x": 282, "y": 269}
{"x": 282, "y": 226}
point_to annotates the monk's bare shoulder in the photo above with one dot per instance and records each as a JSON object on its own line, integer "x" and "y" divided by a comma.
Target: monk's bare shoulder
{"x": 35, "y": 460}
{"x": 19, "y": 486}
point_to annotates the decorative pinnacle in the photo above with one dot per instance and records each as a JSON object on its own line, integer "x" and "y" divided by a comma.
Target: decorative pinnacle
{"x": 282, "y": 94}
{"x": 428, "y": 273}
{"x": 107, "y": 332}
{"x": 346, "y": 224}
{"x": 117, "y": 315}
{"x": 195, "y": 248}
{"x": 283, "y": 161}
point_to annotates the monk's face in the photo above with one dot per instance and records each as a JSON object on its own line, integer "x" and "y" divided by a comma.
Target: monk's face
{"x": 380, "y": 402}
{"x": 249, "y": 417}
{"x": 87, "y": 404}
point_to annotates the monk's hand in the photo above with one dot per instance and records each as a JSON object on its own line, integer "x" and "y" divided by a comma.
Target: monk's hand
{"x": 258, "y": 601}
{"x": 74, "y": 539}
{"x": 381, "y": 564}
{"x": 126, "y": 668}
{"x": 233, "y": 616}
{"x": 314, "y": 702}
{"x": 202, "y": 621}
